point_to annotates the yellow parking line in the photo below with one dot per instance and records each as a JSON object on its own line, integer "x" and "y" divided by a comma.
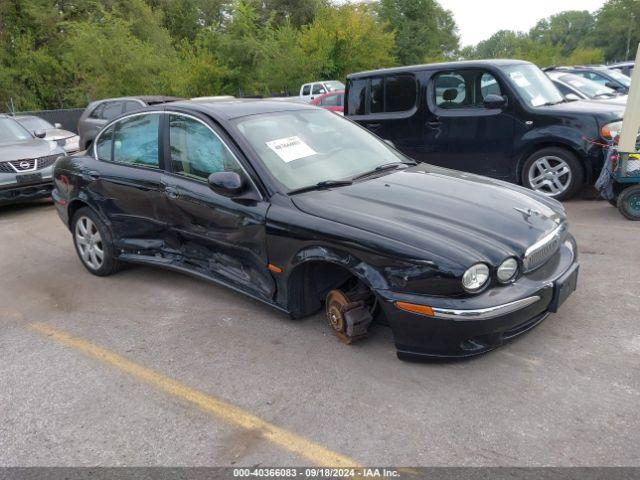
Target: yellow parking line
{"x": 317, "y": 454}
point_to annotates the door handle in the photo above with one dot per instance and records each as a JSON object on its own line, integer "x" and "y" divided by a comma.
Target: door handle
{"x": 172, "y": 192}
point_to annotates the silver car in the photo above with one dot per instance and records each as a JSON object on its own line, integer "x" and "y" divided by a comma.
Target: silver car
{"x": 26, "y": 163}
{"x": 69, "y": 141}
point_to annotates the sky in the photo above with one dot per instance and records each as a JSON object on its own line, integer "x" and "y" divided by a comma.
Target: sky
{"x": 479, "y": 19}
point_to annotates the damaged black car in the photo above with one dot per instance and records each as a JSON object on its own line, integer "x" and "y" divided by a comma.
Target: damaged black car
{"x": 304, "y": 210}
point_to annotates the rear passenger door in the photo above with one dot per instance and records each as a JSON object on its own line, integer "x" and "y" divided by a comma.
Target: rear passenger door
{"x": 127, "y": 188}
{"x": 388, "y": 107}
{"x": 459, "y": 131}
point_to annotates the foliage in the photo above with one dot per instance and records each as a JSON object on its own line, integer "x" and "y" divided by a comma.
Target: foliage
{"x": 424, "y": 30}
{"x": 64, "y": 53}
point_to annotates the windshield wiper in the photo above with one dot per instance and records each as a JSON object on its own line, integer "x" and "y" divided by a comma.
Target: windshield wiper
{"x": 321, "y": 185}
{"x": 383, "y": 167}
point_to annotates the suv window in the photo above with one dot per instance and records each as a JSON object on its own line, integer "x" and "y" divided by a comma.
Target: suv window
{"x": 111, "y": 110}
{"x": 104, "y": 145}
{"x": 376, "y": 97}
{"x": 464, "y": 88}
{"x": 97, "y": 112}
{"x": 306, "y": 89}
{"x": 196, "y": 151}
{"x": 357, "y": 97}
{"x": 400, "y": 93}
{"x": 136, "y": 140}
{"x": 131, "y": 106}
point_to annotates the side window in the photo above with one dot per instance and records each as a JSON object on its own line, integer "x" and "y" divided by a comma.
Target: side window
{"x": 330, "y": 101}
{"x": 318, "y": 89}
{"x": 400, "y": 93}
{"x": 357, "y": 96}
{"x": 136, "y": 140}
{"x": 104, "y": 145}
{"x": 464, "y": 88}
{"x": 450, "y": 90}
{"x": 111, "y": 110}
{"x": 306, "y": 90}
{"x": 196, "y": 151}
{"x": 489, "y": 86}
{"x": 97, "y": 112}
{"x": 131, "y": 106}
{"x": 377, "y": 95}
{"x": 598, "y": 78}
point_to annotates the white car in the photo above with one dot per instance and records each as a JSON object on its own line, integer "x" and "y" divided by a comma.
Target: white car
{"x": 309, "y": 91}
{"x": 69, "y": 141}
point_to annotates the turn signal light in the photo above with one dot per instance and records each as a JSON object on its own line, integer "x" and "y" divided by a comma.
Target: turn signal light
{"x": 413, "y": 308}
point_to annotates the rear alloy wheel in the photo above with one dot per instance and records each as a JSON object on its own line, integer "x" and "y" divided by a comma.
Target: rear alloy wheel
{"x": 553, "y": 172}
{"x": 93, "y": 243}
{"x": 629, "y": 202}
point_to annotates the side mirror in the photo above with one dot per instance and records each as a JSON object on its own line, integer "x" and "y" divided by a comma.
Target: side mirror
{"x": 227, "y": 184}
{"x": 57, "y": 125}
{"x": 572, "y": 97}
{"x": 40, "y": 133}
{"x": 494, "y": 101}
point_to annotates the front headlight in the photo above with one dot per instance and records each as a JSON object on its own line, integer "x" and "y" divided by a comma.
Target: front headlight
{"x": 475, "y": 277}
{"x": 507, "y": 270}
{"x": 611, "y": 130}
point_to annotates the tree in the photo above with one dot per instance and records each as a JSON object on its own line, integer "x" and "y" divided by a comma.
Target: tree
{"x": 423, "y": 30}
{"x": 617, "y": 31}
{"x": 569, "y": 30}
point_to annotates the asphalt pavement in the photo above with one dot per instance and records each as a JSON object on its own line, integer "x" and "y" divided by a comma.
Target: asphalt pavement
{"x": 149, "y": 367}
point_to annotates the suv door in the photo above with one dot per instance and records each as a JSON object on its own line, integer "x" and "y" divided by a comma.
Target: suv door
{"x": 127, "y": 188}
{"x": 388, "y": 107}
{"x": 218, "y": 236}
{"x": 459, "y": 131}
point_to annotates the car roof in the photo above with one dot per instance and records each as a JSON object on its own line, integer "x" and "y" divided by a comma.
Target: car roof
{"x": 430, "y": 66}
{"x": 227, "y": 110}
{"x": 148, "y": 99}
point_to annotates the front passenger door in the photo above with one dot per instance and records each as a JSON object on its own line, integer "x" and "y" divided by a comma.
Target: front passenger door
{"x": 460, "y": 132}
{"x": 219, "y": 237}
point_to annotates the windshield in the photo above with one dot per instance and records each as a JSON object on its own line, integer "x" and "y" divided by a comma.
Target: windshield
{"x": 11, "y": 131}
{"x": 533, "y": 85}
{"x": 305, "y": 147}
{"x": 333, "y": 85}
{"x": 34, "y": 123}
{"x": 589, "y": 88}
{"x": 621, "y": 77}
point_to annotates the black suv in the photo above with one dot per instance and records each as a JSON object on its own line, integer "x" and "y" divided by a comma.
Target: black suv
{"x": 499, "y": 118}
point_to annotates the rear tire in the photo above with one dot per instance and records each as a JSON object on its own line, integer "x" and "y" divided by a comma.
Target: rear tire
{"x": 94, "y": 244}
{"x": 629, "y": 202}
{"x": 553, "y": 172}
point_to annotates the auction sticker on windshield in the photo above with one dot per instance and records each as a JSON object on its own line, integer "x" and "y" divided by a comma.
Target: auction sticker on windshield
{"x": 291, "y": 148}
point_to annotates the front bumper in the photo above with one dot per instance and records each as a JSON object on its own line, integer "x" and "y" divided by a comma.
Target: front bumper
{"x": 13, "y": 192}
{"x": 463, "y": 327}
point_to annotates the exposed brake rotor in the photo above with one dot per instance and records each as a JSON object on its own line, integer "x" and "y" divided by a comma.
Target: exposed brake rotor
{"x": 349, "y": 318}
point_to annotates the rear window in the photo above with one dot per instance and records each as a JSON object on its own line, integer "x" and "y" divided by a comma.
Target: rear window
{"x": 400, "y": 93}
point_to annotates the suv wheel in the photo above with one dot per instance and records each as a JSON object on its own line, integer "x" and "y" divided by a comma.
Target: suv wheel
{"x": 554, "y": 172}
{"x": 93, "y": 243}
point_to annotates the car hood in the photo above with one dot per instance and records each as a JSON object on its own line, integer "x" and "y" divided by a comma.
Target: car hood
{"x": 58, "y": 134}
{"x": 452, "y": 215}
{"x": 32, "y": 148}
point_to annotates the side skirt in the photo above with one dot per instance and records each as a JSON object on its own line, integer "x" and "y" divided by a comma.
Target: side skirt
{"x": 170, "y": 265}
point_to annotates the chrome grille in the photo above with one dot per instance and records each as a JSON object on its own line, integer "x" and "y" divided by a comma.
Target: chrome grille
{"x": 540, "y": 252}
{"x": 27, "y": 165}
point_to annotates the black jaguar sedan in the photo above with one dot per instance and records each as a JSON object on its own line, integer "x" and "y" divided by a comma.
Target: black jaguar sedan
{"x": 300, "y": 208}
